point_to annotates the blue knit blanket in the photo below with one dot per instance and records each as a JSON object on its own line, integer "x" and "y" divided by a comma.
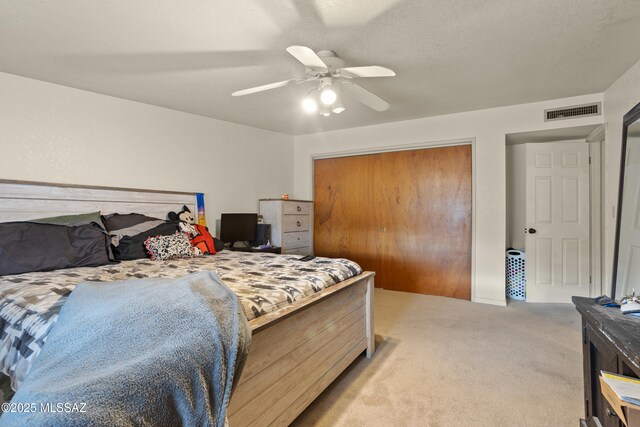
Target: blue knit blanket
{"x": 137, "y": 352}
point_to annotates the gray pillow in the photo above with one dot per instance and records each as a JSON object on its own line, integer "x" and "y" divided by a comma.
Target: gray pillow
{"x": 30, "y": 246}
{"x": 121, "y": 225}
{"x": 117, "y": 221}
{"x": 79, "y": 219}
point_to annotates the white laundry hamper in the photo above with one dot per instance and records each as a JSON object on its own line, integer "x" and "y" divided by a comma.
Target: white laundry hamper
{"x": 516, "y": 278}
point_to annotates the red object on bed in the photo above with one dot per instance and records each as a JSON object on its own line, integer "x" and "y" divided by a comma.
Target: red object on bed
{"x": 203, "y": 240}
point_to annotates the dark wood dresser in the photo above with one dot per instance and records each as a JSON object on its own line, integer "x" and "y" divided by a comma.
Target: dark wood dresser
{"x": 610, "y": 342}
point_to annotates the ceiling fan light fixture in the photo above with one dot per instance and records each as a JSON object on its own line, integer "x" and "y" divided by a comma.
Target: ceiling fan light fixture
{"x": 338, "y": 107}
{"x": 332, "y": 78}
{"x": 325, "y": 110}
{"x": 310, "y": 105}
{"x": 328, "y": 95}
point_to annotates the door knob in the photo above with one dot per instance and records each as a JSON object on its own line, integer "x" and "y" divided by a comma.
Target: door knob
{"x": 532, "y": 231}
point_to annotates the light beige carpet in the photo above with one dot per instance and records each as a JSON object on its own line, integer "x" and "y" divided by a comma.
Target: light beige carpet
{"x": 447, "y": 362}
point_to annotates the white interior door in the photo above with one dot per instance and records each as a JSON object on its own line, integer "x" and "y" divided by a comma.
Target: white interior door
{"x": 629, "y": 247}
{"x": 557, "y": 221}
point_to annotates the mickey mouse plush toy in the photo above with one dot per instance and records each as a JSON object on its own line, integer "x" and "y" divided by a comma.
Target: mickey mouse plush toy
{"x": 199, "y": 235}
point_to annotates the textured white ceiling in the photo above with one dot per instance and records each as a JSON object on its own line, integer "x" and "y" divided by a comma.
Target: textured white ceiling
{"x": 449, "y": 55}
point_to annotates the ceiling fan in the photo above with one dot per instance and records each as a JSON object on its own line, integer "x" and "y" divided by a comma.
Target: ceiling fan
{"x": 333, "y": 77}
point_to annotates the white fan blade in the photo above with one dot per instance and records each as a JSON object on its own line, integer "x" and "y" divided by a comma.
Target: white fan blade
{"x": 367, "y": 98}
{"x": 368, "y": 71}
{"x": 308, "y": 57}
{"x": 264, "y": 87}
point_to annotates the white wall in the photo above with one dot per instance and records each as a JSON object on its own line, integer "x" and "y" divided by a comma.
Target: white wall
{"x": 58, "y": 134}
{"x": 516, "y": 195}
{"x": 489, "y": 128}
{"x": 621, "y": 97}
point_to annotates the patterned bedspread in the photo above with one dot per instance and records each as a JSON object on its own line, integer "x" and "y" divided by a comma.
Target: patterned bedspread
{"x": 30, "y": 303}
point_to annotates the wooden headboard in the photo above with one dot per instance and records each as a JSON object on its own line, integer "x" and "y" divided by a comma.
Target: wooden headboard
{"x": 24, "y": 200}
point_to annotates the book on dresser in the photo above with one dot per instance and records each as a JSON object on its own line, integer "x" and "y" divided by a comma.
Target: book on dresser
{"x": 291, "y": 224}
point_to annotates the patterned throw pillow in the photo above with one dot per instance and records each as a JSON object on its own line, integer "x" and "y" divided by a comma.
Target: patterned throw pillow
{"x": 169, "y": 247}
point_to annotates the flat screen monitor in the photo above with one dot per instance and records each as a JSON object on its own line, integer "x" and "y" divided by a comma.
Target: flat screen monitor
{"x": 238, "y": 227}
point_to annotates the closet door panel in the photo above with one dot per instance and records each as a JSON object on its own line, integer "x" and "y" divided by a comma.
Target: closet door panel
{"x": 428, "y": 230}
{"x": 346, "y": 219}
{"x": 405, "y": 215}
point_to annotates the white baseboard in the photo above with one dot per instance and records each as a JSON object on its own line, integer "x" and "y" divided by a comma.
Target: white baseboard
{"x": 500, "y": 302}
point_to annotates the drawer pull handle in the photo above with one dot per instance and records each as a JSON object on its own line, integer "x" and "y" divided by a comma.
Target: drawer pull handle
{"x": 611, "y": 414}
{"x": 299, "y": 209}
{"x": 298, "y": 223}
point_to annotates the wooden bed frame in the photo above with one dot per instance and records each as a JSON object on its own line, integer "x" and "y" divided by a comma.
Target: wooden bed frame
{"x": 295, "y": 353}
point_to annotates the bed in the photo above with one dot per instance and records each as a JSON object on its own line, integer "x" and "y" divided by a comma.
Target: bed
{"x": 304, "y": 336}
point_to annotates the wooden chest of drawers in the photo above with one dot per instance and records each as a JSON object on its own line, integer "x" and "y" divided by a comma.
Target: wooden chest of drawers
{"x": 291, "y": 224}
{"x": 610, "y": 342}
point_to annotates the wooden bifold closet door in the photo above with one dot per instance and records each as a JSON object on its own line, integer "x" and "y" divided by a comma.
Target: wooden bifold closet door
{"x": 405, "y": 215}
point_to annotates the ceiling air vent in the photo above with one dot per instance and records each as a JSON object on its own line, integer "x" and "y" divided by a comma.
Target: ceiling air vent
{"x": 574, "y": 112}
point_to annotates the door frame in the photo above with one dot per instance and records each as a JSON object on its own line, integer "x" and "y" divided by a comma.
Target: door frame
{"x": 596, "y": 140}
{"x": 598, "y": 275}
{"x": 419, "y": 146}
